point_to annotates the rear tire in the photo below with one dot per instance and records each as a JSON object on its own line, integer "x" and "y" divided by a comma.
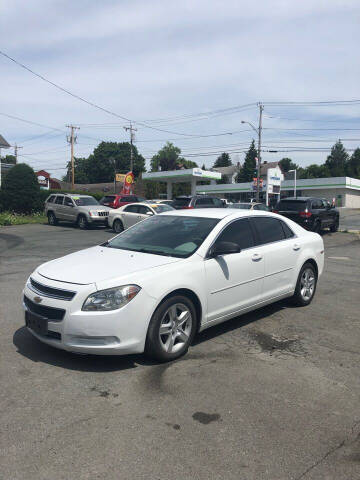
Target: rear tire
{"x": 305, "y": 286}
{"x": 335, "y": 227}
{"x": 52, "y": 220}
{"x": 118, "y": 226}
{"x": 82, "y": 222}
{"x": 171, "y": 330}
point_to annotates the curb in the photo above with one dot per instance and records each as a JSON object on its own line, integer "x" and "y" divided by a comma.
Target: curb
{"x": 349, "y": 231}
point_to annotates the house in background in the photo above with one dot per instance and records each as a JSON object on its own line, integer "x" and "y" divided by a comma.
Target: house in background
{"x": 46, "y": 182}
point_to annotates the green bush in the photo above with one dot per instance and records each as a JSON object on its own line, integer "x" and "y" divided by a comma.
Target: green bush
{"x": 20, "y": 190}
{"x": 8, "y": 218}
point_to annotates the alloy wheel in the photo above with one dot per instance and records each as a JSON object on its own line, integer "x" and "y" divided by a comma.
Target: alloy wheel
{"x": 175, "y": 328}
{"x": 307, "y": 284}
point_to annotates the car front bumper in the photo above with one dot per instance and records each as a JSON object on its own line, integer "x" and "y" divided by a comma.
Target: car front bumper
{"x": 116, "y": 332}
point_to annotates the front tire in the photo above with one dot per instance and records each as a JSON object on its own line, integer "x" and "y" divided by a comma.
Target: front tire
{"x": 82, "y": 222}
{"x": 305, "y": 285}
{"x": 172, "y": 329}
{"x": 317, "y": 227}
{"x": 52, "y": 220}
{"x": 118, "y": 226}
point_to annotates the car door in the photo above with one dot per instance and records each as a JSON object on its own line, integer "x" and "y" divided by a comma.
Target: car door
{"x": 234, "y": 281}
{"x": 130, "y": 215}
{"x": 279, "y": 248}
{"x": 58, "y": 207}
{"x": 328, "y": 213}
{"x": 319, "y": 211}
{"x": 69, "y": 210}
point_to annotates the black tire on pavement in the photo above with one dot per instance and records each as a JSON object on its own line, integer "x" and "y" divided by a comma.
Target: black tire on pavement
{"x": 305, "y": 286}
{"x": 82, "y": 222}
{"x": 335, "y": 226}
{"x": 52, "y": 220}
{"x": 181, "y": 335}
{"x": 118, "y": 226}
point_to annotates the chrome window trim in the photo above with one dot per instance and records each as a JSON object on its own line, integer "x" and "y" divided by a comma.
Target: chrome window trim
{"x": 254, "y": 246}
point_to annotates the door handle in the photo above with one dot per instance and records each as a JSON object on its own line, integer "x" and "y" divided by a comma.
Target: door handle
{"x": 296, "y": 246}
{"x": 256, "y": 257}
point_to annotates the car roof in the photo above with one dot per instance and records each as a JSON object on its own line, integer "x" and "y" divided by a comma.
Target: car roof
{"x": 219, "y": 213}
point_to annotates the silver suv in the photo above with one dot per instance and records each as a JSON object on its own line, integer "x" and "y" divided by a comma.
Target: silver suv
{"x": 83, "y": 210}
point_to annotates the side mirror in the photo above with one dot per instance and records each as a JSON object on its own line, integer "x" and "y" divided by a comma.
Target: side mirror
{"x": 224, "y": 248}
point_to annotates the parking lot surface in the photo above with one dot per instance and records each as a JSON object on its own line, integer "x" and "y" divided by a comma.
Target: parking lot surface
{"x": 271, "y": 395}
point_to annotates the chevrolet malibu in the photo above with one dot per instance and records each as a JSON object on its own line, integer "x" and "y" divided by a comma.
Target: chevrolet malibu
{"x": 154, "y": 286}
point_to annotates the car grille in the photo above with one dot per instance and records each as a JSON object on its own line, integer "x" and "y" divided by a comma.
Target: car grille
{"x": 51, "y": 291}
{"x": 55, "y": 314}
{"x": 103, "y": 214}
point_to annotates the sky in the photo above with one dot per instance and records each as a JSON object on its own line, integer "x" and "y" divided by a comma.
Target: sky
{"x": 179, "y": 69}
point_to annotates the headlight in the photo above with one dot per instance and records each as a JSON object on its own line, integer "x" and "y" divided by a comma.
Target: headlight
{"x": 93, "y": 213}
{"x": 110, "y": 299}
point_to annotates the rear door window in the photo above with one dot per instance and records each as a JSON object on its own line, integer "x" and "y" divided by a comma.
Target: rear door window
{"x": 287, "y": 230}
{"x": 267, "y": 230}
{"x": 317, "y": 204}
{"x": 59, "y": 200}
{"x": 239, "y": 232}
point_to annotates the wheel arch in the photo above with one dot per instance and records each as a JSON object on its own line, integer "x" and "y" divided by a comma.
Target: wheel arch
{"x": 313, "y": 262}
{"x": 191, "y": 295}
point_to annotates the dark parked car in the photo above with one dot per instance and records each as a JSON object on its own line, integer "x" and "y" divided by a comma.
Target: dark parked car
{"x": 116, "y": 200}
{"x": 311, "y": 213}
{"x": 197, "y": 201}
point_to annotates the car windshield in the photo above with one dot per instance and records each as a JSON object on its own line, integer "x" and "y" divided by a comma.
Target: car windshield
{"x": 243, "y": 206}
{"x": 291, "y": 205}
{"x": 169, "y": 235}
{"x": 84, "y": 201}
{"x": 160, "y": 208}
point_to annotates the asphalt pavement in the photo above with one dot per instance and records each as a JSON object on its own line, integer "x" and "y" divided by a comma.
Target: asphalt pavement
{"x": 270, "y": 395}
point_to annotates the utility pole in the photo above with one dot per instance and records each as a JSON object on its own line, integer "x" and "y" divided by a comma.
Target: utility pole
{"x": 261, "y": 108}
{"x": 16, "y": 148}
{"x": 72, "y": 139}
{"x": 132, "y": 138}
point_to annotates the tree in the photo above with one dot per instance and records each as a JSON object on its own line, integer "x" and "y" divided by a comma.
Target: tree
{"x": 11, "y": 159}
{"x": 353, "y": 166}
{"x": 203, "y": 167}
{"x": 167, "y": 158}
{"x": 247, "y": 172}
{"x": 314, "y": 171}
{"x": 223, "y": 160}
{"x": 337, "y": 160}
{"x": 287, "y": 164}
{"x": 20, "y": 191}
{"x": 189, "y": 164}
{"x": 107, "y": 158}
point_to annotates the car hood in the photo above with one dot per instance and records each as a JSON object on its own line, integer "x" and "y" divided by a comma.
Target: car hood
{"x": 98, "y": 208}
{"x": 97, "y": 264}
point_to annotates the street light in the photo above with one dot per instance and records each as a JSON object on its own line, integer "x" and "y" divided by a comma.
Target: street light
{"x": 294, "y": 180}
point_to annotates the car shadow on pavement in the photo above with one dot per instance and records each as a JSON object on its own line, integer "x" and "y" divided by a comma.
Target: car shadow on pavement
{"x": 31, "y": 348}
{"x": 241, "y": 321}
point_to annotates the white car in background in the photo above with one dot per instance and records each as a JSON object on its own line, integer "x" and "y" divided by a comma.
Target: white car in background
{"x": 154, "y": 286}
{"x": 126, "y": 216}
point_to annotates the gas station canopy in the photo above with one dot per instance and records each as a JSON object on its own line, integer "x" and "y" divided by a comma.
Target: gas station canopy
{"x": 191, "y": 175}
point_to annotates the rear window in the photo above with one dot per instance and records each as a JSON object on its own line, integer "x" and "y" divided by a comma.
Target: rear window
{"x": 129, "y": 198}
{"x": 181, "y": 202}
{"x": 242, "y": 206}
{"x": 291, "y": 205}
{"x": 107, "y": 199}
{"x": 160, "y": 208}
{"x": 51, "y": 199}
{"x": 204, "y": 201}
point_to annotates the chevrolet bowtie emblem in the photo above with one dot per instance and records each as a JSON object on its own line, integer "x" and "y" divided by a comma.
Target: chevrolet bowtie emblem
{"x": 37, "y": 299}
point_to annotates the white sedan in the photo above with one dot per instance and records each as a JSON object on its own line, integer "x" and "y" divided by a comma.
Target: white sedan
{"x": 126, "y": 216}
{"x": 154, "y": 286}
